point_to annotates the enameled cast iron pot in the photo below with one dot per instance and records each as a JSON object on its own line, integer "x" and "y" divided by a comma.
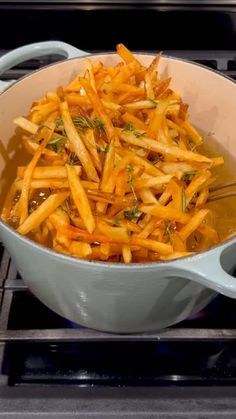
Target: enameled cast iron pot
{"x": 107, "y": 296}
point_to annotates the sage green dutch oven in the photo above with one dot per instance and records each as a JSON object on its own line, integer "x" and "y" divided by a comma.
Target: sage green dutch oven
{"x": 107, "y": 296}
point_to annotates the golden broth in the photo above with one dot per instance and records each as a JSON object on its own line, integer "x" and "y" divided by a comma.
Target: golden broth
{"x": 14, "y": 155}
{"x": 224, "y": 210}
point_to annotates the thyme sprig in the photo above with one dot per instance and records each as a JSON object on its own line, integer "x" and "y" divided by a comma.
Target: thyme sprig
{"x": 56, "y": 144}
{"x": 184, "y": 202}
{"x": 103, "y": 149}
{"x": 187, "y": 177}
{"x": 133, "y": 213}
{"x": 130, "y": 128}
{"x": 95, "y": 123}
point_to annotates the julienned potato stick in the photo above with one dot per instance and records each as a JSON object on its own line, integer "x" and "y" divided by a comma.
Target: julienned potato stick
{"x": 46, "y": 133}
{"x": 165, "y": 213}
{"x": 126, "y": 55}
{"x": 77, "y": 144}
{"x": 198, "y": 181}
{"x": 99, "y": 108}
{"x": 177, "y": 255}
{"x": 174, "y": 152}
{"x": 162, "y": 248}
{"x": 129, "y": 118}
{"x": 152, "y": 182}
{"x": 114, "y": 169}
{"x": 126, "y": 253}
{"x": 44, "y": 172}
{"x": 193, "y": 224}
{"x": 26, "y": 125}
{"x": 53, "y": 183}
{"x": 42, "y": 212}
{"x": 80, "y": 199}
{"x": 80, "y": 249}
{"x": 147, "y": 196}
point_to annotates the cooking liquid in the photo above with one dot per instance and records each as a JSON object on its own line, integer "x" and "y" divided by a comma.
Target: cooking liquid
{"x": 19, "y": 157}
{"x": 223, "y": 212}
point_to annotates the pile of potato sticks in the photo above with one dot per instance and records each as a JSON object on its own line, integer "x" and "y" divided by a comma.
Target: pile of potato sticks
{"x": 115, "y": 174}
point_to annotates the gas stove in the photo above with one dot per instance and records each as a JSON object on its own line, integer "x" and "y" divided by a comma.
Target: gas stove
{"x": 50, "y": 367}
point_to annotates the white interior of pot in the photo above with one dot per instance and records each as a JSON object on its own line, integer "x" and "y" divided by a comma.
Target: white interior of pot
{"x": 211, "y": 97}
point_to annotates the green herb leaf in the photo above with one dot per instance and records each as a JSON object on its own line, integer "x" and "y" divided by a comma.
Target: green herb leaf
{"x": 82, "y": 122}
{"x": 132, "y": 214}
{"x": 129, "y": 169}
{"x": 187, "y": 177}
{"x": 74, "y": 160}
{"x": 62, "y": 209}
{"x": 128, "y": 127}
{"x": 117, "y": 221}
{"x": 192, "y": 144}
{"x": 154, "y": 102}
{"x": 103, "y": 149}
{"x": 184, "y": 203}
{"x": 56, "y": 140}
{"x": 56, "y": 144}
{"x": 100, "y": 125}
{"x": 59, "y": 122}
{"x": 131, "y": 185}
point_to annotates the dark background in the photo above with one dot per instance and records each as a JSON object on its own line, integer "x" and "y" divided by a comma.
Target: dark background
{"x": 96, "y": 27}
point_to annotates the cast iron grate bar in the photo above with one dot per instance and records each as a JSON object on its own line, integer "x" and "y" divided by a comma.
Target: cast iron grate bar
{"x": 88, "y": 335}
{"x": 107, "y": 3}
{"x": 223, "y": 61}
{"x": 159, "y": 381}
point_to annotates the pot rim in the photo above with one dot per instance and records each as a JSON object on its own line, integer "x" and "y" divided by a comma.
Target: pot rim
{"x": 117, "y": 265}
{"x": 87, "y": 54}
{"x": 103, "y": 264}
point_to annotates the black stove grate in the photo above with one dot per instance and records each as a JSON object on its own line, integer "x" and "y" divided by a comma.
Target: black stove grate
{"x": 222, "y": 61}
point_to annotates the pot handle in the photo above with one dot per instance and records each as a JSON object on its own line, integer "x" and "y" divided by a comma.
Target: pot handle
{"x": 38, "y": 49}
{"x": 213, "y": 268}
